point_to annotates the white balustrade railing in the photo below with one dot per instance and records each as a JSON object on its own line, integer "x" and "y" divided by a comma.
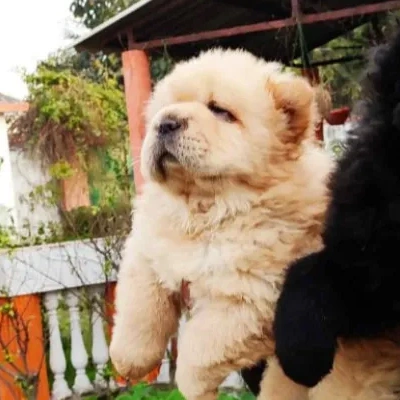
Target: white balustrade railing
{"x": 58, "y": 364}
{"x": 71, "y": 275}
{"x": 99, "y": 343}
{"x": 79, "y": 355}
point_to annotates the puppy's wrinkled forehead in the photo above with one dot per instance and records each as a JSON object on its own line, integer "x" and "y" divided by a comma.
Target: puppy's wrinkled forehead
{"x": 233, "y": 78}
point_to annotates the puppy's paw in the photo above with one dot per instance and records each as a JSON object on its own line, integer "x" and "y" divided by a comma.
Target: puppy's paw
{"x": 133, "y": 364}
{"x": 305, "y": 325}
{"x": 196, "y": 383}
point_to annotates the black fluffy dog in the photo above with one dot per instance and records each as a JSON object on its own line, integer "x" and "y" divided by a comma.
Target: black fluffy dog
{"x": 351, "y": 288}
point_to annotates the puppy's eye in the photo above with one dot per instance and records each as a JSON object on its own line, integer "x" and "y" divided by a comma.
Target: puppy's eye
{"x": 221, "y": 112}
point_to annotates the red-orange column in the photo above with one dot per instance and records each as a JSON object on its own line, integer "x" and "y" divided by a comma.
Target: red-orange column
{"x": 137, "y": 81}
{"x": 22, "y": 347}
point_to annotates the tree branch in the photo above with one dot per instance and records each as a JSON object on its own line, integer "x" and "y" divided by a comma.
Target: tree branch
{"x": 331, "y": 61}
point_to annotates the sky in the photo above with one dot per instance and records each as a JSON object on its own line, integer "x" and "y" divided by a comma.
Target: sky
{"x": 29, "y": 31}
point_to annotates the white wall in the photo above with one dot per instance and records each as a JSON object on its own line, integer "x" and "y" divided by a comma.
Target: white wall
{"x": 7, "y": 197}
{"x": 19, "y": 176}
{"x": 27, "y": 175}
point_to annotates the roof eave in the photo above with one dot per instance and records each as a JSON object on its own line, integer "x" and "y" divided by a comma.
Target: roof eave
{"x": 81, "y": 43}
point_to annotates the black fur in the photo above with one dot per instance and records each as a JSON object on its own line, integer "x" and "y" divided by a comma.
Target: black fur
{"x": 352, "y": 287}
{"x": 252, "y": 376}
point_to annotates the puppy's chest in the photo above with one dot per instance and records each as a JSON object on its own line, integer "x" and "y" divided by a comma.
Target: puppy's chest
{"x": 243, "y": 248}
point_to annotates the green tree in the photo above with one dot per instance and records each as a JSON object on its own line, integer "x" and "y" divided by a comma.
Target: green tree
{"x": 94, "y": 12}
{"x": 70, "y": 113}
{"x": 343, "y": 78}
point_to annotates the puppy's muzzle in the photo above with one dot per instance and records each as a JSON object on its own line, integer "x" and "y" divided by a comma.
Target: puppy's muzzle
{"x": 169, "y": 126}
{"x": 166, "y": 148}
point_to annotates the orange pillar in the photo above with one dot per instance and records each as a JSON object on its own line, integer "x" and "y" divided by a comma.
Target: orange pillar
{"x": 22, "y": 347}
{"x": 137, "y": 82}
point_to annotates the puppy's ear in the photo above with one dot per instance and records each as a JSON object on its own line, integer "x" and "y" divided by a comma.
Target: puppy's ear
{"x": 294, "y": 96}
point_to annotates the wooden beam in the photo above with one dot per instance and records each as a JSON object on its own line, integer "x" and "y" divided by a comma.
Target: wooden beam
{"x": 270, "y": 25}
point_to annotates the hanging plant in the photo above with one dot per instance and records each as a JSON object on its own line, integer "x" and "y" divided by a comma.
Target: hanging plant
{"x": 160, "y": 65}
{"x": 70, "y": 115}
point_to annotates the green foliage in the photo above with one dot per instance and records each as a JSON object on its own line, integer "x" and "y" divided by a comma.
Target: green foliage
{"x": 61, "y": 170}
{"x": 161, "y": 66}
{"x": 11, "y": 239}
{"x": 5, "y": 238}
{"x": 95, "y": 67}
{"x": 78, "y": 224}
{"x": 77, "y": 107}
{"x": 144, "y": 391}
{"x": 93, "y": 222}
{"x": 93, "y": 12}
{"x": 70, "y": 112}
{"x": 343, "y": 78}
{"x": 111, "y": 176}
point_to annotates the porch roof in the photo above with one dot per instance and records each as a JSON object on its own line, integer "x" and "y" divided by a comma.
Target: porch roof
{"x": 266, "y": 28}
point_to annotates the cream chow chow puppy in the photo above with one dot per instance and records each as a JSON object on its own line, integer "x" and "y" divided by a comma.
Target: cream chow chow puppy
{"x": 235, "y": 190}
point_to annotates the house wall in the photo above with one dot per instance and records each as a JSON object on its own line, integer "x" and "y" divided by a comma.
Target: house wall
{"x": 19, "y": 176}
{"x": 7, "y": 199}
{"x": 27, "y": 175}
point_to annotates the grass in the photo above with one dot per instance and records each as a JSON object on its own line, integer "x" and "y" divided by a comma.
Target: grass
{"x": 144, "y": 391}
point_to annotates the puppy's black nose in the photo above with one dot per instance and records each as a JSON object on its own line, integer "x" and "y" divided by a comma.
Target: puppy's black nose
{"x": 169, "y": 125}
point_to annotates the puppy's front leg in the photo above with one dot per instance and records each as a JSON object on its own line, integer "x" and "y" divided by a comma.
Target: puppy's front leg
{"x": 146, "y": 316}
{"x": 216, "y": 341}
{"x": 277, "y": 386}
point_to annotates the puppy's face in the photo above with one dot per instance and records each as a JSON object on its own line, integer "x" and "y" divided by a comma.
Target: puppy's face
{"x": 225, "y": 114}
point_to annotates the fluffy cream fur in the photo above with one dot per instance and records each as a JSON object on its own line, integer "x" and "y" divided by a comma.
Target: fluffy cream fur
{"x": 232, "y": 195}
